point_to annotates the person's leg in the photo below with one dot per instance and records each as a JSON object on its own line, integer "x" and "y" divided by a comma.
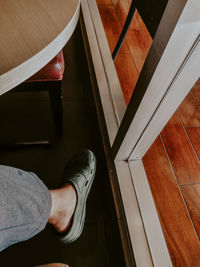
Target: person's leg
{"x": 26, "y": 205}
{"x": 61, "y": 214}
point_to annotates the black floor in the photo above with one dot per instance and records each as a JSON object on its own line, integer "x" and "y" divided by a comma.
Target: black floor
{"x": 27, "y": 116}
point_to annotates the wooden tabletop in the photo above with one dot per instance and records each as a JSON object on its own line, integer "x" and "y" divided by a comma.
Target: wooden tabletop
{"x": 32, "y": 32}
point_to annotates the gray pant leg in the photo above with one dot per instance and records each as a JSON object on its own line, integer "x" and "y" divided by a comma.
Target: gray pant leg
{"x": 25, "y": 205}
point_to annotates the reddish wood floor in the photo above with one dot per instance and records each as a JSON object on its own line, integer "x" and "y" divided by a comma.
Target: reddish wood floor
{"x": 172, "y": 163}
{"x": 136, "y": 45}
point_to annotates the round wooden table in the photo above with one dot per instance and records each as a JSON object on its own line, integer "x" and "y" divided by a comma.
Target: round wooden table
{"x": 32, "y": 32}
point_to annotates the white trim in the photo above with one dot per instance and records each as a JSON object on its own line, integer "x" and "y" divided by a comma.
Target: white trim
{"x": 175, "y": 95}
{"x": 156, "y": 241}
{"x": 109, "y": 87}
{"x": 112, "y": 77}
{"x": 144, "y": 228}
{"x": 104, "y": 91}
{"x": 180, "y": 44}
{"x": 132, "y": 211}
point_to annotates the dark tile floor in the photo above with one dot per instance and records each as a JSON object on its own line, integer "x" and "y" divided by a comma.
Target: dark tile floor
{"x": 27, "y": 116}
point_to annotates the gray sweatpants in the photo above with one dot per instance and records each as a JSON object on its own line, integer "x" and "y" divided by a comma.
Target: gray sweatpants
{"x": 25, "y": 205}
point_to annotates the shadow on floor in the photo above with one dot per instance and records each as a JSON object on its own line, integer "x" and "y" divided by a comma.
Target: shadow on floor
{"x": 27, "y": 116}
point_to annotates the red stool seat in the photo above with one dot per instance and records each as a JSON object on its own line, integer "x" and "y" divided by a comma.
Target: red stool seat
{"x": 53, "y": 71}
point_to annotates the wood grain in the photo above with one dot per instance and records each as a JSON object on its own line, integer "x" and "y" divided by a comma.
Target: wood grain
{"x": 197, "y": 84}
{"x": 28, "y": 26}
{"x": 112, "y": 27}
{"x": 181, "y": 153}
{"x": 104, "y": 2}
{"x": 191, "y": 195}
{"x": 138, "y": 39}
{"x": 32, "y": 33}
{"x": 182, "y": 241}
{"x": 137, "y": 44}
{"x": 194, "y": 135}
{"x": 127, "y": 74}
{"x": 196, "y": 93}
{"x": 122, "y": 8}
{"x": 189, "y": 111}
{"x": 144, "y": 30}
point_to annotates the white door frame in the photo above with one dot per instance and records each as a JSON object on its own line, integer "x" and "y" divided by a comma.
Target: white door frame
{"x": 172, "y": 78}
{"x": 177, "y": 52}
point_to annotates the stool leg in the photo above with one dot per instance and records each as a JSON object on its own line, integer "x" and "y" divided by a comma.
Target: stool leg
{"x": 55, "y": 94}
{"x": 128, "y": 21}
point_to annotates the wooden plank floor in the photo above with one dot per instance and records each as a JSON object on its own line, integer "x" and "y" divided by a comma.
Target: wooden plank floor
{"x": 172, "y": 163}
{"x": 180, "y": 236}
{"x": 133, "y": 53}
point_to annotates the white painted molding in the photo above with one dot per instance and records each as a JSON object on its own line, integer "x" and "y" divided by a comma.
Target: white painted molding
{"x": 133, "y": 216}
{"x": 155, "y": 237}
{"x": 178, "y": 90}
{"x": 112, "y": 77}
{"x": 176, "y": 52}
{"x": 103, "y": 80}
